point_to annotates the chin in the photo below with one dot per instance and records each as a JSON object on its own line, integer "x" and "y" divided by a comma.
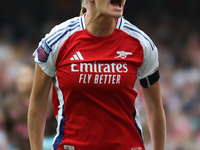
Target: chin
{"x": 117, "y": 15}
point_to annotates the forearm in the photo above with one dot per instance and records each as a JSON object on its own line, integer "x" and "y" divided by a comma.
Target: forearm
{"x": 157, "y": 127}
{"x": 155, "y": 116}
{"x": 36, "y": 124}
{"x": 38, "y": 108}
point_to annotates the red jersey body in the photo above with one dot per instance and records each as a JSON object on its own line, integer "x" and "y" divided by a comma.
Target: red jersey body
{"x": 94, "y": 79}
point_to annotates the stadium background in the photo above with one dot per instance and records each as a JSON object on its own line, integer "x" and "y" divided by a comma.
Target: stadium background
{"x": 174, "y": 26}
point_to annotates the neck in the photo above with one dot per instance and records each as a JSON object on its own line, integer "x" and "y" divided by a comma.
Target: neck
{"x": 99, "y": 25}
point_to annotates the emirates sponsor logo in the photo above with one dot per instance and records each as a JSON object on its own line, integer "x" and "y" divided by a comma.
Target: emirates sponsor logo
{"x": 99, "y": 73}
{"x": 100, "y": 79}
{"x": 100, "y": 67}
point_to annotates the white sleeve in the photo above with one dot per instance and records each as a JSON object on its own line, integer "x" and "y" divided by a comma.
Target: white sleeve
{"x": 47, "y": 51}
{"x": 148, "y": 71}
{"x": 46, "y": 55}
{"x": 150, "y": 63}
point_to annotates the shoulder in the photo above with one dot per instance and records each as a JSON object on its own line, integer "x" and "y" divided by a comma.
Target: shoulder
{"x": 67, "y": 24}
{"x": 54, "y": 40}
{"x": 62, "y": 30}
{"x": 49, "y": 47}
{"x": 137, "y": 33}
{"x": 150, "y": 53}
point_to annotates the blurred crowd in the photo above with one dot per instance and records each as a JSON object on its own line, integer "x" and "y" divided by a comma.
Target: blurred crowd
{"x": 174, "y": 27}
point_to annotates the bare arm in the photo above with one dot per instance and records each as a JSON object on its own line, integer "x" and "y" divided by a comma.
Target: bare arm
{"x": 38, "y": 108}
{"x": 155, "y": 115}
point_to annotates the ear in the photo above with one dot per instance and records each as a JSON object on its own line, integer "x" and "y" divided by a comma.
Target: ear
{"x": 83, "y": 11}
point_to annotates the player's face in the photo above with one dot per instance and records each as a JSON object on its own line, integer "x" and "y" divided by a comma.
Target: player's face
{"x": 113, "y": 8}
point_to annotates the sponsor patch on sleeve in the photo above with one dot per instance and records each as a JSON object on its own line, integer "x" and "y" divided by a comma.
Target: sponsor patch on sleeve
{"x": 43, "y": 52}
{"x": 69, "y": 147}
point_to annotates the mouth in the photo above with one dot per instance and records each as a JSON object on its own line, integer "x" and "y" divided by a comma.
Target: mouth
{"x": 117, "y": 3}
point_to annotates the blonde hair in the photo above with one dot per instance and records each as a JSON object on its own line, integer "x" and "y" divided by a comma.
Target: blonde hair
{"x": 83, "y": 3}
{"x": 83, "y": 7}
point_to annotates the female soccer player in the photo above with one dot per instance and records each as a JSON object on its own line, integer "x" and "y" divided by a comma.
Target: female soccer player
{"x": 94, "y": 61}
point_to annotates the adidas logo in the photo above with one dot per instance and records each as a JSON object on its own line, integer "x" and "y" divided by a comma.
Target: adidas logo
{"x": 77, "y": 56}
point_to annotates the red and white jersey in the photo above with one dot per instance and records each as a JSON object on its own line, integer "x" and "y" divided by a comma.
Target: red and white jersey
{"x": 94, "y": 79}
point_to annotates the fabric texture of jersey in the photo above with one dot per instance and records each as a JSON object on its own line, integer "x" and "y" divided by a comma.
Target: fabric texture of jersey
{"x": 94, "y": 79}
